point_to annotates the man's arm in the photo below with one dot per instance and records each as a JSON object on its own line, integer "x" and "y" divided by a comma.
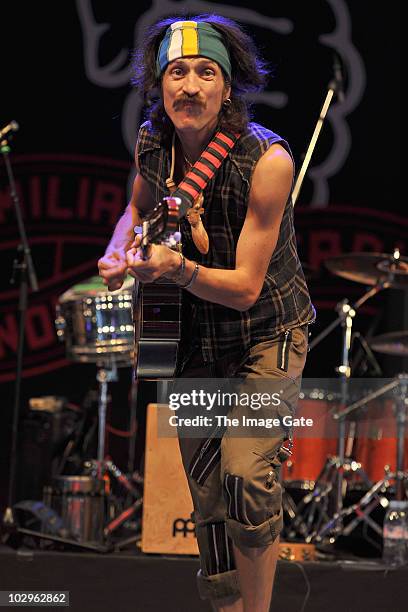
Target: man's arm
{"x": 113, "y": 265}
{"x": 239, "y": 288}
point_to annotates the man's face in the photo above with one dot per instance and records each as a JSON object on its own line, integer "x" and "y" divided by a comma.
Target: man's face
{"x": 193, "y": 92}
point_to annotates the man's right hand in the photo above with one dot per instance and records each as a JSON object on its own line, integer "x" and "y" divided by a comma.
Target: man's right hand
{"x": 113, "y": 268}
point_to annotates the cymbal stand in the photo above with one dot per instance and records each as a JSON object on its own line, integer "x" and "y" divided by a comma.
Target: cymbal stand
{"x": 375, "y": 495}
{"x": 325, "y": 501}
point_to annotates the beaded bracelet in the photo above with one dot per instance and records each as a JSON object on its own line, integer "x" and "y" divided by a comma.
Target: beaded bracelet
{"x": 193, "y": 277}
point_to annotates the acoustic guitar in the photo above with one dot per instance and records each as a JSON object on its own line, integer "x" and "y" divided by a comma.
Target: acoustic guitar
{"x": 157, "y": 305}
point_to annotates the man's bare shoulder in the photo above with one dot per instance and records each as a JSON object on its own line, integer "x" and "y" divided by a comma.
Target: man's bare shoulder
{"x": 272, "y": 177}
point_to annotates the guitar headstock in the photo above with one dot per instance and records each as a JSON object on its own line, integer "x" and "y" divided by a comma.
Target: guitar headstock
{"x": 161, "y": 225}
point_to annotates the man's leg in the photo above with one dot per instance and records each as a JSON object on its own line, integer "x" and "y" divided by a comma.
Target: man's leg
{"x": 250, "y": 469}
{"x": 254, "y": 509}
{"x": 256, "y": 570}
{"x": 217, "y": 580}
{"x": 231, "y": 604}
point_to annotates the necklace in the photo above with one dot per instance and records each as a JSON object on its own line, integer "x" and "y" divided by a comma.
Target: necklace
{"x": 188, "y": 162}
{"x": 193, "y": 215}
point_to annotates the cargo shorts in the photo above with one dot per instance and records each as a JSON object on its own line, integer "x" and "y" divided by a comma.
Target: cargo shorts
{"x": 233, "y": 480}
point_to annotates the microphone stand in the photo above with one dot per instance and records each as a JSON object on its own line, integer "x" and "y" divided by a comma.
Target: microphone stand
{"x": 23, "y": 274}
{"x": 335, "y": 86}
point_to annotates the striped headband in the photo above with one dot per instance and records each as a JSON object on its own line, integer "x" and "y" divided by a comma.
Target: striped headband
{"x": 186, "y": 38}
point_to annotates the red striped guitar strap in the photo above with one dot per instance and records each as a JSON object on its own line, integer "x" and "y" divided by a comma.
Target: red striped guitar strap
{"x": 204, "y": 169}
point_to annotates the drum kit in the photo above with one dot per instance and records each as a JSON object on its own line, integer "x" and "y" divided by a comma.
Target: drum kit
{"x": 97, "y": 327}
{"x": 373, "y": 458}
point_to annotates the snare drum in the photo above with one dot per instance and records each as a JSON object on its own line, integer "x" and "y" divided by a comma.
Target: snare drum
{"x": 80, "y": 502}
{"x": 96, "y": 324}
{"x": 311, "y": 448}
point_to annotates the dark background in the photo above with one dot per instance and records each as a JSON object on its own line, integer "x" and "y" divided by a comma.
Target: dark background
{"x": 45, "y": 87}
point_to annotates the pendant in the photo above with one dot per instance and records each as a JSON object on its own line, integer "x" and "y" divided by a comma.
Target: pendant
{"x": 170, "y": 184}
{"x": 198, "y": 231}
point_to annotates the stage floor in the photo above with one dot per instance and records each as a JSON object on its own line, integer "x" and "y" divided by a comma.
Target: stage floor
{"x": 134, "y": 582}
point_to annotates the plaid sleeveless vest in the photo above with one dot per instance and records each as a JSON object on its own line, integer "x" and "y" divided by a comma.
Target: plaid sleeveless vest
{"x": 284, "y": 301}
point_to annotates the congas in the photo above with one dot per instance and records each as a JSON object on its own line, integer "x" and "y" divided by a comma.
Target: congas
{"x": 311, "y": 446}
{"x": 96, "y": 324}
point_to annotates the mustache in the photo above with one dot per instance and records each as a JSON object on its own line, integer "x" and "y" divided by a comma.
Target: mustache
{"x": 188, "y": 101}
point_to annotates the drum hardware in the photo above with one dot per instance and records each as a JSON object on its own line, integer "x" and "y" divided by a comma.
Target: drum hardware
{"x": 327, "y": 495}
{"x": 322, "y": 509}
{"x": 97, "y": 327}
{"x": 376, "y": 494}
{"x": 103, "y": 376}
{"x": 394, "y": 343}
{"x": 93, "y": 468}
{"x": 79, "y": 501}
{"x": 370, "y": 357}
{"x": 99, "y": 469}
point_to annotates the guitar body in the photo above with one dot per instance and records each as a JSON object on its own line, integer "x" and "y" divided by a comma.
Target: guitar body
{"x": 157, "y": 306}
{"x": 156, "y": 317}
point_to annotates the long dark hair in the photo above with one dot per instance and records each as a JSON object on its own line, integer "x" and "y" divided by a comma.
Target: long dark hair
{"x": 249, "y": 72}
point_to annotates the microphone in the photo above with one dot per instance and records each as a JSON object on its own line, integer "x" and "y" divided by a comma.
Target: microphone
{"x": 10, "y": 127}
{"x": 338, "y": 77}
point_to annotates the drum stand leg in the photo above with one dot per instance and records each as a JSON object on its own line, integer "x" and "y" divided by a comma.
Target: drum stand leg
{"x": 313, "y": 507}
{"x": 375, "y": 495}
{"x": 317, "y": 515}
{"x": 372, "y": 499}
{"x": 104, "y": 376}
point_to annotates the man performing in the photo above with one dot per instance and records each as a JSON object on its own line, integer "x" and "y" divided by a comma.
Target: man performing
{"x": 246, "y": 306}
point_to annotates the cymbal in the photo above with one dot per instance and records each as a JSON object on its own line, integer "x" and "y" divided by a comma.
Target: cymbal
{"x": 370, "y": 268}
{"x": 394, "y": 343}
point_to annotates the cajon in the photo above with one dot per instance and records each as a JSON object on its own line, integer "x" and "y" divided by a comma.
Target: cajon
{"x": 167, "y": 505}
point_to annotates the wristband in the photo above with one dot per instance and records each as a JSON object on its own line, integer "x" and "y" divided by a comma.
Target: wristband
{"x": 180, "y": 272}
{"x": 193, "y": 277}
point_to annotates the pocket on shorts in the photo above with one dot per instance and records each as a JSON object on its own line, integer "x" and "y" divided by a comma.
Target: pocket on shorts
{"x": 281, "y": 357}
{"x": 234, "y": 498}
{"x": 271, "y": 483}
{"x": 205, "y": 460}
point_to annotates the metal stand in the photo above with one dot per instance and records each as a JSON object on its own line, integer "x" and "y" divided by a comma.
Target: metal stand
{"x": 315, "y": 513}
{"x": 106, "y": 373}
{"x": 334, "y": 87}
{"x": 23, "y": 275}
{"x": 375, "y": 495}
